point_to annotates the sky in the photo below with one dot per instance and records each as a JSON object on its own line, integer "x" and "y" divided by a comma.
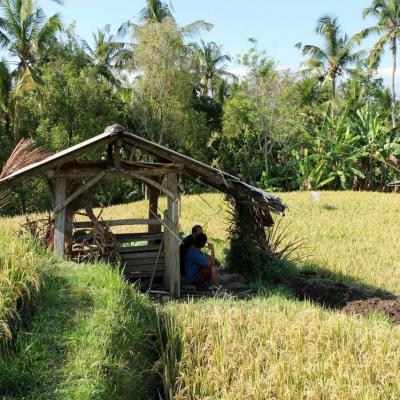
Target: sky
{"x": 277, "y": 25}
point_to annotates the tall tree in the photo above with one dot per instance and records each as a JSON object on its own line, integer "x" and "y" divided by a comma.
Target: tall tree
{"x": 162, "y": 90}
{"x": 210, "y": 60}
{"x": 106, "y": 53}
{"x": 332, "y": 60}
{"x": 5, "y": 100}
{"x": 156, "y": 11}
{"x": 26, "y": 33}
{"x": 388, "y": 29}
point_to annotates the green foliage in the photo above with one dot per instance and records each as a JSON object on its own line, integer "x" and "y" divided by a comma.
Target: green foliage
{"x": 162, "y": 92}
{"x": 74, "y": 105}
{"x": 93, "y": 336}
{"x": 348, "y": 151}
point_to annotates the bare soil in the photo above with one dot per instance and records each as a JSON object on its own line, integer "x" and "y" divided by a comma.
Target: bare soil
{"x": 391, "y": 308}
{"x": 349, "y": 298}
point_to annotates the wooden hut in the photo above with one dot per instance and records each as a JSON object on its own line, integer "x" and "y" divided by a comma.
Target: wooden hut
{"x": 122, "y": 158}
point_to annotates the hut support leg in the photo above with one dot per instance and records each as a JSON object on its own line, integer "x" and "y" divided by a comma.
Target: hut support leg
{"x": 172, "y": 269}
{"x": 60, "y": 216}
{"x": 154, "y": 194}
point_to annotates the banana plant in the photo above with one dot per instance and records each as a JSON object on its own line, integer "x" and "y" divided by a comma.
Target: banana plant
{"x": 330, "y": 154}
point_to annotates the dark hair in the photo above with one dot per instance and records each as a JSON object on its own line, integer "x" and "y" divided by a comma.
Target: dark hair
{"x": 200, "y": 240}
{"x": 196, "y": 228}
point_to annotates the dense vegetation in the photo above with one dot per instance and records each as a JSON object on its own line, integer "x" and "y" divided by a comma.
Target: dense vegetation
{"x": 332, "y": 125}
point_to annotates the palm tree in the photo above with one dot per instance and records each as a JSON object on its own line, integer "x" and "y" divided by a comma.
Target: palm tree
{"x": 209, "y": 58}
{"x": 388, "y": 28}
{"x": 155, "y": 11}
{"x": 107, "y": 53}
{"x": 5, "y": 99}
{"x": 26, "y": 33}
{"x": 331, "y": 61}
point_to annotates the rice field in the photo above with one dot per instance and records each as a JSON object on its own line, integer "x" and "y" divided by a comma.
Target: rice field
{"x": 354, "y": 236}
{"x": 275, "y": 346}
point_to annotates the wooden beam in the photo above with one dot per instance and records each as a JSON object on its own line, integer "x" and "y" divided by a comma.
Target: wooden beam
{"x": 123, "y": 173}
{"x": 78, "y": 192}
{"x": 154, "y": 195}
{"x": 149, "y": 255}
{"x": 136, "y": 237}
{"x": 171, "y": 240}
{"x": 120, "y": 222}
{"x": 60, "y": 216}
{"x": 193, "y": 167}
{"x": 139, "y": 249}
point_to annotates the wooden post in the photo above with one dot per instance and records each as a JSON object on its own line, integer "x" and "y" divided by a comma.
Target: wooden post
{"x": 60, "y": 216}
{"x": 154, "y": 195}
{"x": 171, "y": 242}
{"x": 68, "y": 228}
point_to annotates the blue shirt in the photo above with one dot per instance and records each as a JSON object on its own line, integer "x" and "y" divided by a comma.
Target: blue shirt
{"x": 195, "y": 259}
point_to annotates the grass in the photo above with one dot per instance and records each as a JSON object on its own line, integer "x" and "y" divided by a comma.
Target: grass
{"x": 271, "y": 347}
{"x": 20, "y": 282}
{"x": 92, "y": 337}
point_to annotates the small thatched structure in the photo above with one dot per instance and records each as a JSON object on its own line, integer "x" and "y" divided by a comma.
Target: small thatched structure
{"x": 122, "y": 158}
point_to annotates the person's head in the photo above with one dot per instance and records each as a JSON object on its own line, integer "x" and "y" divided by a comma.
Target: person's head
{"x": 196, "y": 230}
{"x": 200, "y": 240}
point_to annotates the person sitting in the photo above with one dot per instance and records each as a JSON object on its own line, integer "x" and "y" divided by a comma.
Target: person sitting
{"x": 200, "y": 267}
{"x": 186, "y": 244}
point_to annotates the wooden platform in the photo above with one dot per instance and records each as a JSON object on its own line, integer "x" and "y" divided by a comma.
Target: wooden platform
{"x": 142, "y": 254}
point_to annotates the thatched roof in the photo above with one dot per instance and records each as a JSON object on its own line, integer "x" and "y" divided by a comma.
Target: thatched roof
{"x": 206, "y": 174}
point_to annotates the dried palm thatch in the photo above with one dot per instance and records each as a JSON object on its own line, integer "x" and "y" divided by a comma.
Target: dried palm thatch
{"x": 255, "y": 242}
{"x": 25, "y": 153}
{"x": 98, "y": 244}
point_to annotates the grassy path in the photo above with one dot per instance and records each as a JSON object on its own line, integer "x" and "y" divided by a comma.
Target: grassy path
{"x": 91, "y": 338}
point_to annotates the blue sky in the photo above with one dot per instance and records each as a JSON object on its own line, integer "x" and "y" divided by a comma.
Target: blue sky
{"x": 278, "y": 26}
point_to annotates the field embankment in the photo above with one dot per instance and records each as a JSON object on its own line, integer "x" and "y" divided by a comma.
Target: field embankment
{"x": 20, "y": 282}
{"x": 91, "y": 337}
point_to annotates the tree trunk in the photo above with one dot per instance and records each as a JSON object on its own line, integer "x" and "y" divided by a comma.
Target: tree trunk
{"x": 394, "y": 54}
{"x": 333, "y": 88}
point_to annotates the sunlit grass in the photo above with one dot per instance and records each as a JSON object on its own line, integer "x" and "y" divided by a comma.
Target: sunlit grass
{"x": 92, "y": 337}
{"x": 20, "y": 280}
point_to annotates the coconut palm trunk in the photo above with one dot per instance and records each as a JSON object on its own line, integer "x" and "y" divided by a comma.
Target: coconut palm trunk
{"x": 394, "y": 54}
{"x": 333, "y": 88}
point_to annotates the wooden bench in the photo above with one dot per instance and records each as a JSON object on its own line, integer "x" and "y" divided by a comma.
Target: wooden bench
{"x": 140, "y": 252}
